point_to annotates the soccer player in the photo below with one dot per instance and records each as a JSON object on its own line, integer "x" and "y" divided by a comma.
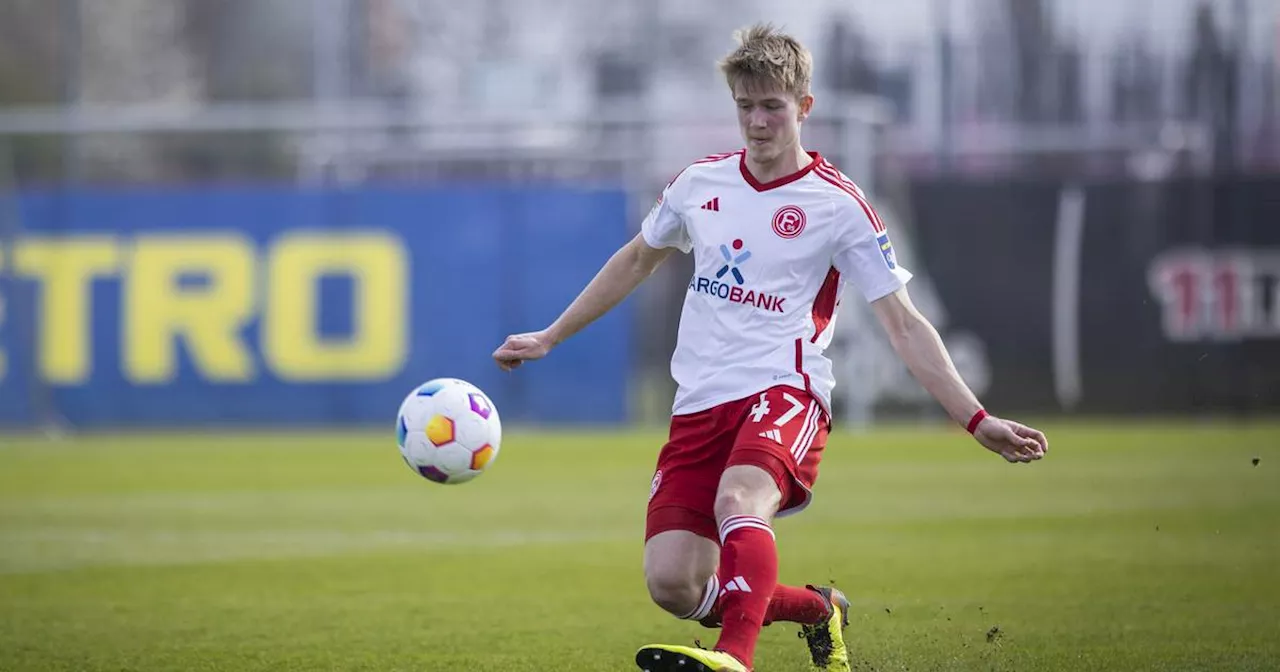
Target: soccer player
{"x": 777, "y": 233}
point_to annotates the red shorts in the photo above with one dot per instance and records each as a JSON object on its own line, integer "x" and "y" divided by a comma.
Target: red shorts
{"x": 781, "y": 430}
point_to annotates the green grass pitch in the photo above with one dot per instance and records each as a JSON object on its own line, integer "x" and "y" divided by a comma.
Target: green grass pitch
{"x": 1131, "y": 547}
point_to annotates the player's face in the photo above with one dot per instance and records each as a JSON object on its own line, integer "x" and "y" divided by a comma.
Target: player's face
{"x": 769, "y": 119}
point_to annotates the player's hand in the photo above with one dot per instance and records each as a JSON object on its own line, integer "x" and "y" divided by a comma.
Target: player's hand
{"x": 1013, "y": 441}
{"x": 520, "y": 348}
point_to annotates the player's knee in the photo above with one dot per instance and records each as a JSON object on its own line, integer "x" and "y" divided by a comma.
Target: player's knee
{"x": 738, "y": 500}
{"x": 676, "y": 592}
{"x": 747, "y": 491}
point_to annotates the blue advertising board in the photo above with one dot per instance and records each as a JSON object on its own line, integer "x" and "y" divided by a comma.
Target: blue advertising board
{"x": 276, "y": 305}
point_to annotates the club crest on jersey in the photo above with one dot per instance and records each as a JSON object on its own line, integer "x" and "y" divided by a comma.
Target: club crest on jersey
{"x": 788, "y": 221}
{"x": 886, "y": 248}
{"x": 721, "y": 287}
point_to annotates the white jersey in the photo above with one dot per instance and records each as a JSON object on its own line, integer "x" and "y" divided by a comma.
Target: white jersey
{"x": 770, "y": 264}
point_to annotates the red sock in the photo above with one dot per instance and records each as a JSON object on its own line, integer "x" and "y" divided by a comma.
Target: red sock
{"x": 748, "y": 576}
{"x": 796, "y": 605}
{"x": 793, "y": 604}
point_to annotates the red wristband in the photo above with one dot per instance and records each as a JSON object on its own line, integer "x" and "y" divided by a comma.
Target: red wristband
{"x": 977, "y": 419}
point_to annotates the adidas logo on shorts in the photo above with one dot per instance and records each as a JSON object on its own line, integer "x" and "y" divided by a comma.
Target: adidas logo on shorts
{"x": 774, "y": 434}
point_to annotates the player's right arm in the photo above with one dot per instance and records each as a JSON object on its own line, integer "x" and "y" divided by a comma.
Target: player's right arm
{"x": 662, "y": 231}
{"x": 625, "y": 270}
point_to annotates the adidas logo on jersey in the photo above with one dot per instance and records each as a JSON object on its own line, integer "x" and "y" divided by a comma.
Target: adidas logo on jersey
{"x": 774, "y": 435}
{"x": 712, "y": 205}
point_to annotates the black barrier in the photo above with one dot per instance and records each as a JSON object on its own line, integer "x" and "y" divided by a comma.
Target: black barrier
{"x": 1113, "y": 297}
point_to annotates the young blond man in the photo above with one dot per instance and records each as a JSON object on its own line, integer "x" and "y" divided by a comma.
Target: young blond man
{"x": 777, "y": 233}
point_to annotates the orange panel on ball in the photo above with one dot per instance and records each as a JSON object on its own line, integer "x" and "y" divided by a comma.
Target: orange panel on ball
{"x": 440, "y": 430}
{"x": 480, "y": 458}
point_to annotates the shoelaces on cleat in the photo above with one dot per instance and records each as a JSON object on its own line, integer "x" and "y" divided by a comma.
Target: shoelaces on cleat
{"x": 818, "y": 638}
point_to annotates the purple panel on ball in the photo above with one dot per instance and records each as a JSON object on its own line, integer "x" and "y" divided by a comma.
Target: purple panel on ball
{"x": 433, "y": 474}
{"x": 480, "y": 405}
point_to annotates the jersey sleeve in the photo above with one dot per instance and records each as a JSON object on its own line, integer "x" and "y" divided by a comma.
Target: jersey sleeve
{"x": 664, "y": 226}
{"x": 864, "y": 254}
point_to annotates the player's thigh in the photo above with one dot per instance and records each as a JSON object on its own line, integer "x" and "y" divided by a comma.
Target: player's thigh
{"x": 682, "y": 493}
{"x": 680, "y": 559}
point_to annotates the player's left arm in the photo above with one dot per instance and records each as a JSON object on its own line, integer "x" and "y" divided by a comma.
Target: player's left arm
{"x": 864, "y": 254}
{"x": 921, "y": 348}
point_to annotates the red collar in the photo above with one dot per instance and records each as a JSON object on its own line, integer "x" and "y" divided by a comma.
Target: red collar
{"x": 787, "y": 179}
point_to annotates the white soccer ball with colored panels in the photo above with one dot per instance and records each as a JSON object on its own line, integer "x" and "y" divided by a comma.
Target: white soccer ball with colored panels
{"x": 448, "y": 431}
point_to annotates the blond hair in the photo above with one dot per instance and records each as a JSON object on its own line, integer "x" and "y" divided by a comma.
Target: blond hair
{"x": 768, "y": 57}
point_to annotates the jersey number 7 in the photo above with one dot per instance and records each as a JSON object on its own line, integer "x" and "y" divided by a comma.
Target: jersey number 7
{"x": 761, "y": 409}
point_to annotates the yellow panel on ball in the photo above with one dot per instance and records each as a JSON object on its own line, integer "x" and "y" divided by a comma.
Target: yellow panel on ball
{"x": 440, "y": 430}
{"x": 480, "y": 458}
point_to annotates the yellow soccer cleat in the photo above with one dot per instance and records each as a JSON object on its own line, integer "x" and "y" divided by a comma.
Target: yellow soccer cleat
{"x": 670, "y": 658}
{"x": 826, "y": 639}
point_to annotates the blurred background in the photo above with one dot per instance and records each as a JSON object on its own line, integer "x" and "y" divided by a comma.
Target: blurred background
{"x": 275, "y": 212}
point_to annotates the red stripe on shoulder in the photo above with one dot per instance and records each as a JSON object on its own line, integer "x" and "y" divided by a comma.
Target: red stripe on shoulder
{"x": 706, "y": 159}
{"x": 831, "y": 167}
{"x": 717, "y": 157}
{"x": 828, "y": 172}
{"x": 877, "y": 223}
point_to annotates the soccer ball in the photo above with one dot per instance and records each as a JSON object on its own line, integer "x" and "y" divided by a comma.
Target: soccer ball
{"x": 448, "y": 431}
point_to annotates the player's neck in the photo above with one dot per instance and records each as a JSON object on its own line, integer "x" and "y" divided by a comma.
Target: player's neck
{"x": 786, "y": 163}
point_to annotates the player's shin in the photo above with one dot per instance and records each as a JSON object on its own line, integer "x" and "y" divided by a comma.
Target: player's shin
{"x": 748, "y": 576}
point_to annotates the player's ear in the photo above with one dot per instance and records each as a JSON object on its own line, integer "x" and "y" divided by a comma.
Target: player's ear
{"x": 806, "y": 106}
